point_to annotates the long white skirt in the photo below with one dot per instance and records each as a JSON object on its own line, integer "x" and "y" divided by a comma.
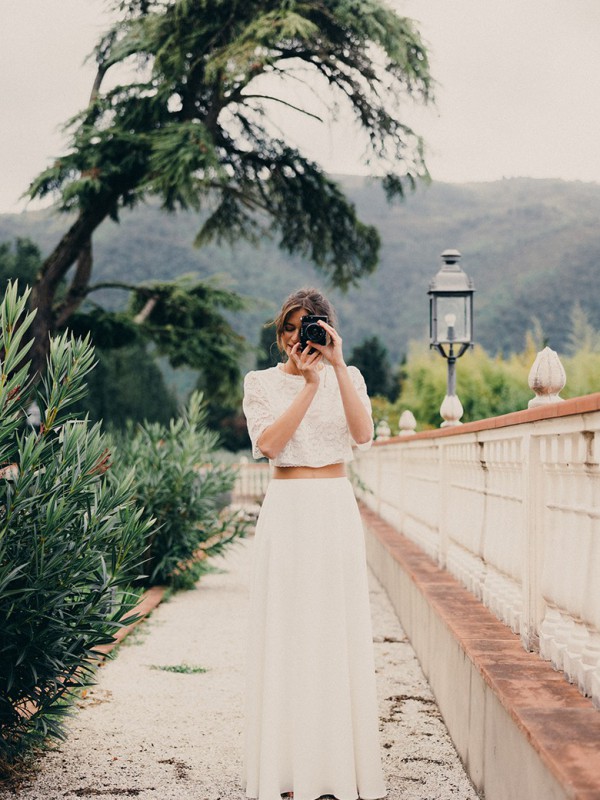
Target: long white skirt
{"x": 311, "y": 707}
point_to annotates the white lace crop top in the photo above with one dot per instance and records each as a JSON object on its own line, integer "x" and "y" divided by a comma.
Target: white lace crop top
{"x": 323, "y": 436}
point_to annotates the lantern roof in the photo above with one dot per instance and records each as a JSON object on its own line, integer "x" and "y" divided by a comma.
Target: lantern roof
{"x": 451, "y": 278}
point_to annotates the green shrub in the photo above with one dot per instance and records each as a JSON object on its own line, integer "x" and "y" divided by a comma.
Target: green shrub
{"x": 180, "y": 485}
{"x": 70, "y": 538}
{"x": 486, "y": 385}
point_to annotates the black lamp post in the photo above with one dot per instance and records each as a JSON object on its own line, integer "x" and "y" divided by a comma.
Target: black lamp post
{"x": 451, "y": 325}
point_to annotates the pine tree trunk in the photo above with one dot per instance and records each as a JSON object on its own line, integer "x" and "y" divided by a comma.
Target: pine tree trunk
{"x": 68, "y": 250}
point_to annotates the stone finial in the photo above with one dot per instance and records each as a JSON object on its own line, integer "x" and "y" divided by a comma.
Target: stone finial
{"x": 382, "y": 431}
{"x": 408, "y": 423}
{"x": 451, "y": 411}
{"x": 546, "y": 378}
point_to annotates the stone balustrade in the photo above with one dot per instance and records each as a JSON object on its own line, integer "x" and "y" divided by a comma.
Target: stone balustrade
{"x": 251, "y": 482}
{"x": 511, "y": 507}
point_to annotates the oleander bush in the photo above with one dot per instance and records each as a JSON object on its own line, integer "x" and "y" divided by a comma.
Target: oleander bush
{"x": 71, "y": 537}
{"x": 180, "y": 483}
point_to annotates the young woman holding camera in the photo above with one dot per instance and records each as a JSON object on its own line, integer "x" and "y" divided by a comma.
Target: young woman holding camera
{"x": 311, "y": 709}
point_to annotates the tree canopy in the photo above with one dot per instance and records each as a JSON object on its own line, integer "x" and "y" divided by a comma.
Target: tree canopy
{"x": 20, "y": 262}
{"x": 192, "y": 129}
{"x": 372, "y": 359}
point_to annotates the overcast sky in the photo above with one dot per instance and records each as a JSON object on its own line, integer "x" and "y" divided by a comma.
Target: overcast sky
{"x": 518, "y": 89}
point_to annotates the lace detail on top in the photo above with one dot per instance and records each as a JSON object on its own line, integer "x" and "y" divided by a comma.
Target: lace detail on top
{"x": 323, "y": 436}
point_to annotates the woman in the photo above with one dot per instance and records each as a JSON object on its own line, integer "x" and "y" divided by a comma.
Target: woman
{"x": 311, "y": 709}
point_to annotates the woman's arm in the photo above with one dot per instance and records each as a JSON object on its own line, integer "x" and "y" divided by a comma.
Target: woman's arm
{"x": 358, "y": 418}
{"x": 274, "y": 438}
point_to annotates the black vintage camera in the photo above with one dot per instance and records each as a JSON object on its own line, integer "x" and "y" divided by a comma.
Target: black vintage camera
{"x": 311, "y": 331}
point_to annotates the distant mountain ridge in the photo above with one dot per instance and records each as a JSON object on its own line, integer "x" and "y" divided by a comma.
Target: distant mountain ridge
{"x": 531, "y": 246}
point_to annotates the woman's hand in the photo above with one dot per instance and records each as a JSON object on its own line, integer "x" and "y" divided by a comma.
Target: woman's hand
{"x": 332, "y": 351}
{"x": 307, "y": 362}
{"x": 358, "y": 417}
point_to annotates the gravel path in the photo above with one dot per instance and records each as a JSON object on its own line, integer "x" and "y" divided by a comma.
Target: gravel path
{"x": 157, "y": 735}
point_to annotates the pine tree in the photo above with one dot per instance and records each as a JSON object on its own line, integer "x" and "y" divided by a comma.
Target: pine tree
{"x": 191, "y": 130}
{"x": 371, "y": 358}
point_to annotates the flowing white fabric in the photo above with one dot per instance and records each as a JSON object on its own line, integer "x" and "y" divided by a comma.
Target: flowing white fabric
{"x": 311, "y": 708}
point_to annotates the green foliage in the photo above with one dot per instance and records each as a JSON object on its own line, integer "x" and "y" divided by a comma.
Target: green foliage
{"x": 190, "y": 129}
{"x": 181, "y": 669}
{"x": 21, "y": 263}
{"x": 182, "y": 487}
{"x": 108, "y": 330}
{"x": 224, "y": 416}
{"x": 489, "y": 386}
{"x": 185, "y": 322}
{"x": 114, "y": 389}
{"x": 583, "y": 363}
{"x": 583, "y": 373}
{"x": 583, "y": 336}
{"x": 268, "y": 353}
{"x": 515, "y": 235}
{"x": 372, "y": 359}
{"x": 182, "y": 320}
{"x": 70, "y": 539}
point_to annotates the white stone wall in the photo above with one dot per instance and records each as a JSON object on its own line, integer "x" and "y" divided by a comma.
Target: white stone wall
{"x": 514, "y": 513}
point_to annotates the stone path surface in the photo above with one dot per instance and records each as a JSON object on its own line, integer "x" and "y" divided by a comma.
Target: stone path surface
{"x": 157, "y": 735}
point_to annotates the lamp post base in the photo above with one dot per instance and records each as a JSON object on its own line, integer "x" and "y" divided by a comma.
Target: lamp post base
{"x": 451, "y": 411}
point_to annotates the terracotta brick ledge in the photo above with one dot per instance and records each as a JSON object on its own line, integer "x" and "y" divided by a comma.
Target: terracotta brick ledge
{"x": 586, "y": 404}
{"x": 561, "y": 725}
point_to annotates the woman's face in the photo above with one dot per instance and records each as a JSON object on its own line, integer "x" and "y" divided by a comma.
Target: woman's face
{"x": 291, "y": 329}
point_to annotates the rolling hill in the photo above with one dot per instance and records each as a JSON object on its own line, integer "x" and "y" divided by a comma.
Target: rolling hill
{"x": 531, "y": 246}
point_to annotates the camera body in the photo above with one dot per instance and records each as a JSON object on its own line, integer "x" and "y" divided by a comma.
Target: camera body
{"x": 310, "y": 330}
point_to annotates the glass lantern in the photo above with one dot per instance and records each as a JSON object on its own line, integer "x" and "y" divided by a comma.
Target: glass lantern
{"x": 451, "y": 307}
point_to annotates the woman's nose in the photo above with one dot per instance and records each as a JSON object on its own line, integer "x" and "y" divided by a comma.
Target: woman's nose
{"x": 295, "y": 337}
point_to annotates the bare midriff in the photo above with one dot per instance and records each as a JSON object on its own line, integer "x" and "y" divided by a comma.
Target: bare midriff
{"x": 328, "y": 471}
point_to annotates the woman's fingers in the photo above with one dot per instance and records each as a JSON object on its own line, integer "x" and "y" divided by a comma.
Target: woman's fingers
{"x": 304, "y": 359}
{"x": 330, "y": 330}
{"x": 333, "y": 350}
{"x": 310, "y": 359}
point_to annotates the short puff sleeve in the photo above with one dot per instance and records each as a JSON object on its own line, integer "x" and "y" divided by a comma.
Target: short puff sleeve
{"x": 257, "y": 410}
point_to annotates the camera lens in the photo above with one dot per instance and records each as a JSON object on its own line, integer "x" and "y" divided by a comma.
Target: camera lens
{"x": 313, "y": 332}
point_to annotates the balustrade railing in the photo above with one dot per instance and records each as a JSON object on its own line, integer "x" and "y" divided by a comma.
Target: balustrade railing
{"x": 251, "y": 482}
{"x": 510, "y": 506}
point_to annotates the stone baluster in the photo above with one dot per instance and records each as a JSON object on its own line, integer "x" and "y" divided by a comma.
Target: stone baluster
{"x": 590, "y": 661}
{"x": 595, "y": 687}
{"x": 548, "y": 630}
{"x": 559, "y": 645}
{"x": 573, "y": 665}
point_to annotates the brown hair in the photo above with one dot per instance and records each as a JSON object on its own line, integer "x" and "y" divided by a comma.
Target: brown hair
{"x": 310, "y": 299}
